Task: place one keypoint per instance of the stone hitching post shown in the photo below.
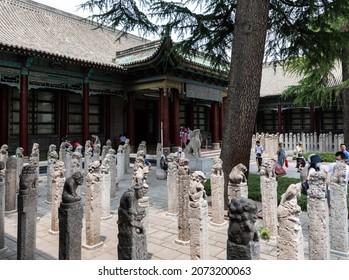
(237, 185)
(88, 155)
(111, 156)
(4, 153)
(52, 157)
(93, 207)
(243, 237)
(339, 211)
(120, 163)
(183, 202)
(27, 211)
(198, 217)
(20, 161)
(127, 151)
(290, 236)
(268, 185)
(317, 210)
(58, 181)
(70, 215)
(34, 158)
(132, 234)
(105, 188)
(172, 186)
(160, 173)
(10, 184)
(3, 248)
(217, 193)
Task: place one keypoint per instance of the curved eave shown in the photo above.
(61, 58)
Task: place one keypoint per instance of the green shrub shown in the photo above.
(326, 157)
(265, 233)
(207, 187)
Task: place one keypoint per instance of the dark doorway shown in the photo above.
(146, 117)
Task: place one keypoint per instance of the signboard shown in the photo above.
(203, 92)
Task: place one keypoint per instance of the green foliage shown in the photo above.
(326, 157)
(207, 187)
(265, 233)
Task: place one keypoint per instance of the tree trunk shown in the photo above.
(244, 84)
(345, 96)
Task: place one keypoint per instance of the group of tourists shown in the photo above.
(184, 135)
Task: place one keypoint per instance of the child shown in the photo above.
(259, 151)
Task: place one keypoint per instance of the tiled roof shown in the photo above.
(275, 80)
(30, 26)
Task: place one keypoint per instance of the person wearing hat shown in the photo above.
(315, 164)
(180, 153)
(298, 154)
(281, 154)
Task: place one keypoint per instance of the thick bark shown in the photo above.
(244, 84)
(345, 96)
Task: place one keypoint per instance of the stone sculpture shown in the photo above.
(217, 193)
(27, 213)
(105, 188)
(120, 163)
(10, 184)
(3, 248)
(127, 150)
(88, 155)
(132, 232)
(193, 148)
(237, 185)
(4, 153)
(71, 184)
(172, 185)
(290, 236)
(198, 217)
(317, 211)
(142, 147)
(105, 149)
(52, 157)
(111, 157)
(243, 237)
(20, 162)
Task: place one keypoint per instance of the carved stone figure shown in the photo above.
(27, 213)
(237, 185)
(132, 232)
(172, 185)
(105, 187)
(52, 157)
(88, 155)
(193, 148)
(71, 184)
(127, 150)
(4, 153)
(142, 147)
(197, 193)
(105, 149)
(217, 193)
(243, 237)
(20, 162)
(290, 236)
(3, 248)
(111, 156)
(10, 184)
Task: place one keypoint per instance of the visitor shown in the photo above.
(346, 153)
(281, 153)
(122, 139)
(164, 161)
(259, 151)
(315, 164)
(298, 155)
(188, 135)
(180, 153)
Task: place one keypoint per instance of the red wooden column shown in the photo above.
(191, 114)
(85, 111)
(131, 118)
(312, 117)
(175, 120)
(4, 105)
(107, 116)
(215, 125)
(23, 111)
(63, 127)
(279, 119)
(164, 118)
(221, 119)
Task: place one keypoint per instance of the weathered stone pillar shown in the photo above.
(105, 188)
(290, 236)
(105, 149)
(27, 212)
(172, 186)
(70, 215)
(268, 185)
(57, 184)
(52, 157)
(339, 211)
(217, 193)
(10, 184)
(183, 201)
(317, 210)
(198, 218)
(4, 153)
(20, 161)
(34, 158)
(88, 155)
(67, 163)
(237, 185)
(243, 237)
(111, 156)
(3, 247)
(120, 163)
(62, 151)
(132, 234)
(93, 207)
(127, 151)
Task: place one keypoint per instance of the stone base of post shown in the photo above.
(171, 214)
(107, 217)
(216, 146)
(339, 254)
(52, 232)
(10, 212)
(3, 252)
(161, 174)
(183, 243)
(47, 202)
(218, 225)
(92, 247)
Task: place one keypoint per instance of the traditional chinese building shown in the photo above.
(60, 74)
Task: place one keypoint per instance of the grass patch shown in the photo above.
(254, 191)
(326, 157)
